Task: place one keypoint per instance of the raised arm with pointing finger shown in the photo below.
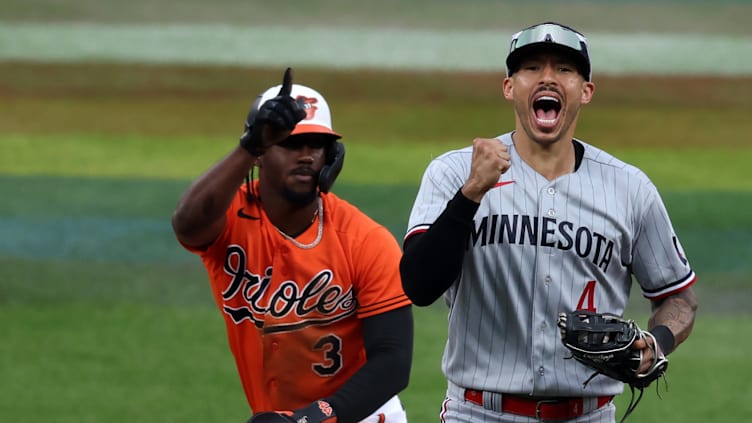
(307, 284)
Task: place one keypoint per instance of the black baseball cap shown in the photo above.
(549, 36)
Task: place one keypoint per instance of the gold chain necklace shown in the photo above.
(320, 213)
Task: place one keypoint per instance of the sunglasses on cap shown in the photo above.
(549, 34)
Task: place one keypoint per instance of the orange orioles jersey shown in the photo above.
(293, 315)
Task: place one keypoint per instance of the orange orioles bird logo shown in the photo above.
(309, 105)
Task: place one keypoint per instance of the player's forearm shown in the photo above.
(432, 260)
(205, 202)
(388, 341)
(677, 313)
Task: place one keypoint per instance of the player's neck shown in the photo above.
(291, 219)
(550, 159)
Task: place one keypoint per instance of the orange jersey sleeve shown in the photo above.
(293, 315)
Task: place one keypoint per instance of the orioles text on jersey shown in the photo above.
(316, 302)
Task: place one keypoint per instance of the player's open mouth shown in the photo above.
(546, 110)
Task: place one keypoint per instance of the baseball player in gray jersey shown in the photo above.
(519, 228)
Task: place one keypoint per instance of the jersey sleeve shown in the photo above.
(230, 222)
(659, 262)
(379, 287)
(441, 180)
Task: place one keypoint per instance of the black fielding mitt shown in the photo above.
(604, 342)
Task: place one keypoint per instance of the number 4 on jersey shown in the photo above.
(587, 299)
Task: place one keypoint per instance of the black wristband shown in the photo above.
(316, 412)
(665, 338)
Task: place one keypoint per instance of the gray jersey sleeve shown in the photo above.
(659, 263)
(443, 177)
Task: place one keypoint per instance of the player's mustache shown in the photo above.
(549, 88)
(304, 170)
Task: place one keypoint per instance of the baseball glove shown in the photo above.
(604, 342)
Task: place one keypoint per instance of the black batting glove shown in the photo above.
(273, 121)
(318, 411)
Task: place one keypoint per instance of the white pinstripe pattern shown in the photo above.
(536, 245)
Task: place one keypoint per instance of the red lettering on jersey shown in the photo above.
(588, 296)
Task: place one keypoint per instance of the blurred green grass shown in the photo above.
(682, 16)
(123, 328)
(134, 362)
(106, 318)
(127, 220)
(368, 162)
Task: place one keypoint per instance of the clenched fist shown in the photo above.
(490, 160)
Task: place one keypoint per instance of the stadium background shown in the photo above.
(109, 109)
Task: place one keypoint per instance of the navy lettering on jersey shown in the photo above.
(545, 232)
(314, 302)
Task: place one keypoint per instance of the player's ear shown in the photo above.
(588, 89)
(507, 88)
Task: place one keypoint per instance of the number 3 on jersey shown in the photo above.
(587, 299)
(331, 345)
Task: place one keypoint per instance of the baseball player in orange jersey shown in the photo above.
(308, 285)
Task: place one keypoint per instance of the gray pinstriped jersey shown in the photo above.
(541, 247)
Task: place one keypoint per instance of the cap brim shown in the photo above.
(313, 129)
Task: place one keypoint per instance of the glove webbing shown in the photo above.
(657, 361)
